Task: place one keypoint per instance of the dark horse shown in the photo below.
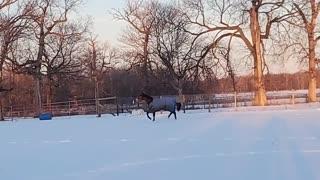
(158, 104)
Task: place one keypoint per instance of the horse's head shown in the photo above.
(144, 97)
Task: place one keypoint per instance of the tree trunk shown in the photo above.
(37, 73)
(145, 61)
(310, 27)
(181, 96)
(95, 78)
(4, 52)
(1, 110)
(260, 96)
(312, 95)
(38, 97)
(96, 96)
(49, 98)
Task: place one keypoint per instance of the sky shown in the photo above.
(108, 29)
(104, 25)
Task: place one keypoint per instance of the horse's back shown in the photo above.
(167, 104)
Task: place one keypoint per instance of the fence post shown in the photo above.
(292, 97)
(192, 103)
(117, 106)
(24, 111)
(204, 102)
(138, 104)
(209, 108)
(160, 98)
(11, 112)
(235, 101)
(184, 103)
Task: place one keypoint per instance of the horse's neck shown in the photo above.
(148, 101)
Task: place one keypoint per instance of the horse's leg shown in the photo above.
(154, 116)
(170, 114)
(148, 116)
(175, 115)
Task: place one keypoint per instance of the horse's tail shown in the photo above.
(178, 106)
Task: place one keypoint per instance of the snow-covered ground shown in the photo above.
(271, 143)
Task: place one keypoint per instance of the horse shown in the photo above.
(158, 104)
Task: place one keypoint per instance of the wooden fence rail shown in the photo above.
(116, 105)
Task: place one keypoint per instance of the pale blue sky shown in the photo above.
(105, 26)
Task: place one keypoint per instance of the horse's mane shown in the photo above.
(147, 96)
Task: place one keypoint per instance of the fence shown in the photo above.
(67, 108)
(234, 100)
(116, 105)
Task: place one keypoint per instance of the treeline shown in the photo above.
(122, 83)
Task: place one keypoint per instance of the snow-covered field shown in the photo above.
(272, 143)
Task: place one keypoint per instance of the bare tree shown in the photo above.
(138, 13)
(175, 51)
(5, 3)
(98, 60)
(307, 19)
(249, 21)
(48, 14)
(62, 56)
(226, 63)
(4, 48)
(13, 26)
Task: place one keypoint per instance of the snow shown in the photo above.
(137, 112)
(280, 142)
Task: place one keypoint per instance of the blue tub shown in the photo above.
(45, 116)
